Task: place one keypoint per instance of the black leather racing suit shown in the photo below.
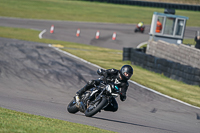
(112, 76)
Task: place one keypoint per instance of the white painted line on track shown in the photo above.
(164, 95)
(141, 44)
(41, 33)
(129, 80)
(74, 56)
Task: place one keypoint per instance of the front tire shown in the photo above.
(92, 110)
(71, 108)
(136, 30)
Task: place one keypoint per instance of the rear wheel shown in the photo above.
(71, 108)
(96, 107)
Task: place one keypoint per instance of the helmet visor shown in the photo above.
(127, 75)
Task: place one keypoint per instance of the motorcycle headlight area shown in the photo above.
(108, 88)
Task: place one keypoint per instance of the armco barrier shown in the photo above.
(153, 4)
(171, 69)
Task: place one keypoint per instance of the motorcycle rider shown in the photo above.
(140, 25)
(118, 77)
(197, 40)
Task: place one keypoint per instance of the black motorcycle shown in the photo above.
(95, 99)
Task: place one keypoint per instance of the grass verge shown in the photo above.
(189, 41)
(13, 121)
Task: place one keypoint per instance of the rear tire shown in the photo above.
(71, 108)
(92, 111)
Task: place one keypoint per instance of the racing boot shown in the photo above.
(77, 99)
(80, 92)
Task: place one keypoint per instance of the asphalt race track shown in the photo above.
(37, 79)
(66, 31)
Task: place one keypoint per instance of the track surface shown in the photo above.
(66, 31)
(37, 79)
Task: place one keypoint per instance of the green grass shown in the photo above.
(85, 11)
(189, 41)
(13, 121)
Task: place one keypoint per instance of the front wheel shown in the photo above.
(136, 30)
(71, 108)
(96, 107)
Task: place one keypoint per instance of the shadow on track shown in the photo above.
(123, 122)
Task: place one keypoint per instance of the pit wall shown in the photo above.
(177, 62)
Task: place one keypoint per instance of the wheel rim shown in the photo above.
(72, 104)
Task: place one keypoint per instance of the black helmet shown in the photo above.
(126, 72)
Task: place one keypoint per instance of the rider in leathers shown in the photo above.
(118, 77)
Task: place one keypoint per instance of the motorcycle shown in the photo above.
(139, 29)
(95, 99)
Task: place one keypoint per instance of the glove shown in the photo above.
(99, 71)
(102, 72)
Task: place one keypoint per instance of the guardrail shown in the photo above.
(153, 4)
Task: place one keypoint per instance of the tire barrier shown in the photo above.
(126, 54)
(174, 70)
(153, 4)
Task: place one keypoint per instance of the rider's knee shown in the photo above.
(115, 108)
(93, 82)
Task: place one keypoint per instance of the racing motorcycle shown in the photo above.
(95, 99)
(139, 29)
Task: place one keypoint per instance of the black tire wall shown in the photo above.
(152, 4)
